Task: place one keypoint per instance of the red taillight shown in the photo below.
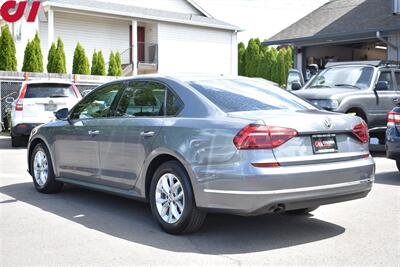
(263, 137)
(266, 165)
(393, 117)
(361, 132)
(19, 106)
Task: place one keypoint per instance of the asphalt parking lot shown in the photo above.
(81, 227)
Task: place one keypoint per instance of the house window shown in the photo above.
(396, 6)
(17, 31)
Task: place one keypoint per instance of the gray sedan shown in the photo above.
(192, 145)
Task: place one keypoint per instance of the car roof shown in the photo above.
(48, 81)
(184, 77)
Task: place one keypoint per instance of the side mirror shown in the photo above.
(296, 86)
(10, 100)
(382, 86)
(61, 114)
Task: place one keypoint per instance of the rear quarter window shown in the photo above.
(49, 90)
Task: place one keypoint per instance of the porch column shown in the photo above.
(50, 29)
(134, 46)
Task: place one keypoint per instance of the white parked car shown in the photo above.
(36, 104)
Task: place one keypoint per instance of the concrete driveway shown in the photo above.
(81, 227)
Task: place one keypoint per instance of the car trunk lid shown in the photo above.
(322, 136)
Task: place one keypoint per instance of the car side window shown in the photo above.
(174, 104)
(97, 104)
(397, 77)
(386, 76)
(142, 99)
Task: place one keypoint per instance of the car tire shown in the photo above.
(41, 169)
(18, 141)
(174, 207)
(398, 164)
(301, 211)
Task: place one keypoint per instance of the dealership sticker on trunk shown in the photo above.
(324, 143)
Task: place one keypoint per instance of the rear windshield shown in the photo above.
(49, 90)
(235, 95)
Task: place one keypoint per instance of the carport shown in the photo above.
(344, 30)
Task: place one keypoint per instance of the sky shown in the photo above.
(260, 18)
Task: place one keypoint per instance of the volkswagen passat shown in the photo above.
(192, 145)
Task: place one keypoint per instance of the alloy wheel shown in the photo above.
(170, 198)
(40, 168)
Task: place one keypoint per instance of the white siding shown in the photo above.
(181, 6)
(43, 26)
(93, 33)
(184, 48)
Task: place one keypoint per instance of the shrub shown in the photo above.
(80, 63)
(50, 58)
(60, 63)
(112, 65)
(93, 70)
(8, 59)
(37, 52)
(118, 63)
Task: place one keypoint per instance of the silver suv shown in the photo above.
(366, 89)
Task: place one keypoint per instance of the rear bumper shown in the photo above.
(277, 190)
(393, 143)
(23, 129)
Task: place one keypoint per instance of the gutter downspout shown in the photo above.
(378, 36)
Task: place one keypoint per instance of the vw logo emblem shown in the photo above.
(328, 123)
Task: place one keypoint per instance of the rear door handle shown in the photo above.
(93, 133)
(147, 134)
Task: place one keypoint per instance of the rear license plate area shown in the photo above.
(324, 143)
(50, 107)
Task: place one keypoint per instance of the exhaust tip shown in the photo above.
(278, 208)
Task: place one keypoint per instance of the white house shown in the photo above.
(152, 35)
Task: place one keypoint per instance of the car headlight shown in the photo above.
(326, 103)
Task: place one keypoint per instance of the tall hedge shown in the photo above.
(241, 61)
(252, 56)
(269, 63)
(8, 59)
(33, 58)
(80, 63)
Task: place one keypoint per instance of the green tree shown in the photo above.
(37, 52)
(80, 63)
(50, 58)
(101, 65)
(93, 70)
(118, 63)
(8, 59)
(252, 57)
(241, 59)
(274, 66)
(60, 63)
(31, 63)
(112, 65)
(281, 68)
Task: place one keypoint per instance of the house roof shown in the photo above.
(340, 20)
(140, 12)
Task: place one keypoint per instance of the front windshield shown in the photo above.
(346, 77)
